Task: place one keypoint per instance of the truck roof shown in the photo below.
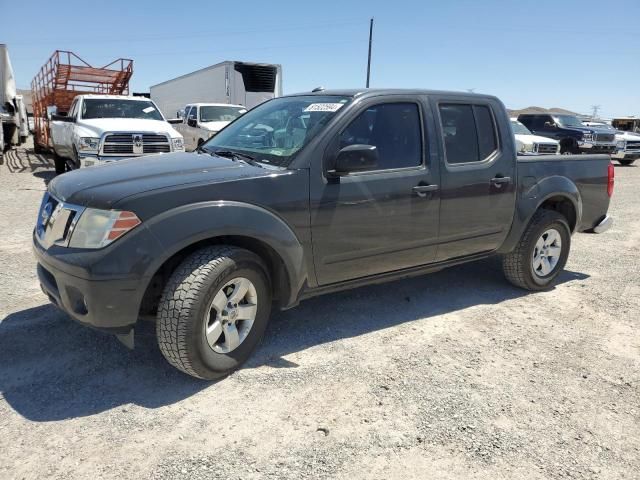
(374, 92)
(208, 104)
(112, 97)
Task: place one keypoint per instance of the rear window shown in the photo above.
(469, 132)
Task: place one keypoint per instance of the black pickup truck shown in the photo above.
(573, 135)
(304, 195)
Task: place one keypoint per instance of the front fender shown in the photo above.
(531, 195)
(181, 227)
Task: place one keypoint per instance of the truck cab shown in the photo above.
(201, 121)
(574, 137)
(105, 128)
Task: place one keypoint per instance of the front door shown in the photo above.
(384, 219)
(477, 177)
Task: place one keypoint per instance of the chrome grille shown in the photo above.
(633, 145)
(135, 144)
(603, 137)
(546, 148)
(56, 221)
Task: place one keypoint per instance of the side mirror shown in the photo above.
(192, 122)
(62, 118)
(356, 158)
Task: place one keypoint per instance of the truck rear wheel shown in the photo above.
(214, 311)
(541, 253)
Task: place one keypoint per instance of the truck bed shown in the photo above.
(585, 176)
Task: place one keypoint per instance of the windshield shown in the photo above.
(568, 121)
(116, 108)
(519, 128)
(220, 113)
(276, 131)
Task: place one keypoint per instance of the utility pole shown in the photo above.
(369, 59)
(594, 111)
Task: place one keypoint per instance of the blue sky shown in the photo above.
(551, 53)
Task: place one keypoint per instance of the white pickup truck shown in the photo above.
(627, 143)
(104, 128)
(529, 144)
(201, 121)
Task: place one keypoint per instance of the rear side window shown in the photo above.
(394, 129)
(487, 141)
(469, 132)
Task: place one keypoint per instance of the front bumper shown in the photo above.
(622, 155)
(75, 281)
(590, 147)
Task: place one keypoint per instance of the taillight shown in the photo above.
(610, 175)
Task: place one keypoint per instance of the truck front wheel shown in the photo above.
(214, 311)
(541, 253)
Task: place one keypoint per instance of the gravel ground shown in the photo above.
(452, 375)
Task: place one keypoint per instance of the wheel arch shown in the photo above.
(262, 233)
(557, 193)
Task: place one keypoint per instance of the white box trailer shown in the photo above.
(231, 82)
(13, 114)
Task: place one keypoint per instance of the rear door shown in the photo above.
(477, 177)
(384, 219)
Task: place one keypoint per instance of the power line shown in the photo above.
(594, 111)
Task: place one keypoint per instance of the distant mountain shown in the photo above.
(562, 111)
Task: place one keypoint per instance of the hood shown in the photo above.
(214, 126)
(531, 139)
(133, 125)
(104, 185)
(622, 135)
(586, 129)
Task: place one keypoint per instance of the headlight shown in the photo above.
(89, 143)
(587, 136)
(621, 144)
(526, 148)
(212, 134)
(98, 228)
(178, 144)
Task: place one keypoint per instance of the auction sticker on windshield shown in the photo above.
(148, 109)
(324, 107)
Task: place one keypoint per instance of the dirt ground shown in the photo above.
(455, 375)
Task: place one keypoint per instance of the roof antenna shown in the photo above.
(317, 89)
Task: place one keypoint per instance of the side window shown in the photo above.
(394, 129)
(487, 140)
(193, 114)
(469, 132)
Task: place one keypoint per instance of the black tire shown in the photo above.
(200, 142)
(569, 147)
(60, 163)
(74, 162)
(183, 310)
(37, 149)
(518, 266)
(626, 163)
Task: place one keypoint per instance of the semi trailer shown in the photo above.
(229, 82)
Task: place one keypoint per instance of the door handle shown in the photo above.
(422, 190)
(498, 181)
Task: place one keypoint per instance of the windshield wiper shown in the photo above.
(235, 156)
